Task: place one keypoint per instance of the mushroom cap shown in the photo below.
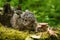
(43, 23)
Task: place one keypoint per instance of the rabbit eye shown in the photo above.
(25, 20)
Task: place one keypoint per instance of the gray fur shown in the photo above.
(24, 21)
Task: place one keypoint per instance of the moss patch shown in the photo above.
(12, 34)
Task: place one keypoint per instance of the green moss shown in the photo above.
(12, 34)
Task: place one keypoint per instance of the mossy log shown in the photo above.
(12, 34)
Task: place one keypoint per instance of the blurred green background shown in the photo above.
(44, 10)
